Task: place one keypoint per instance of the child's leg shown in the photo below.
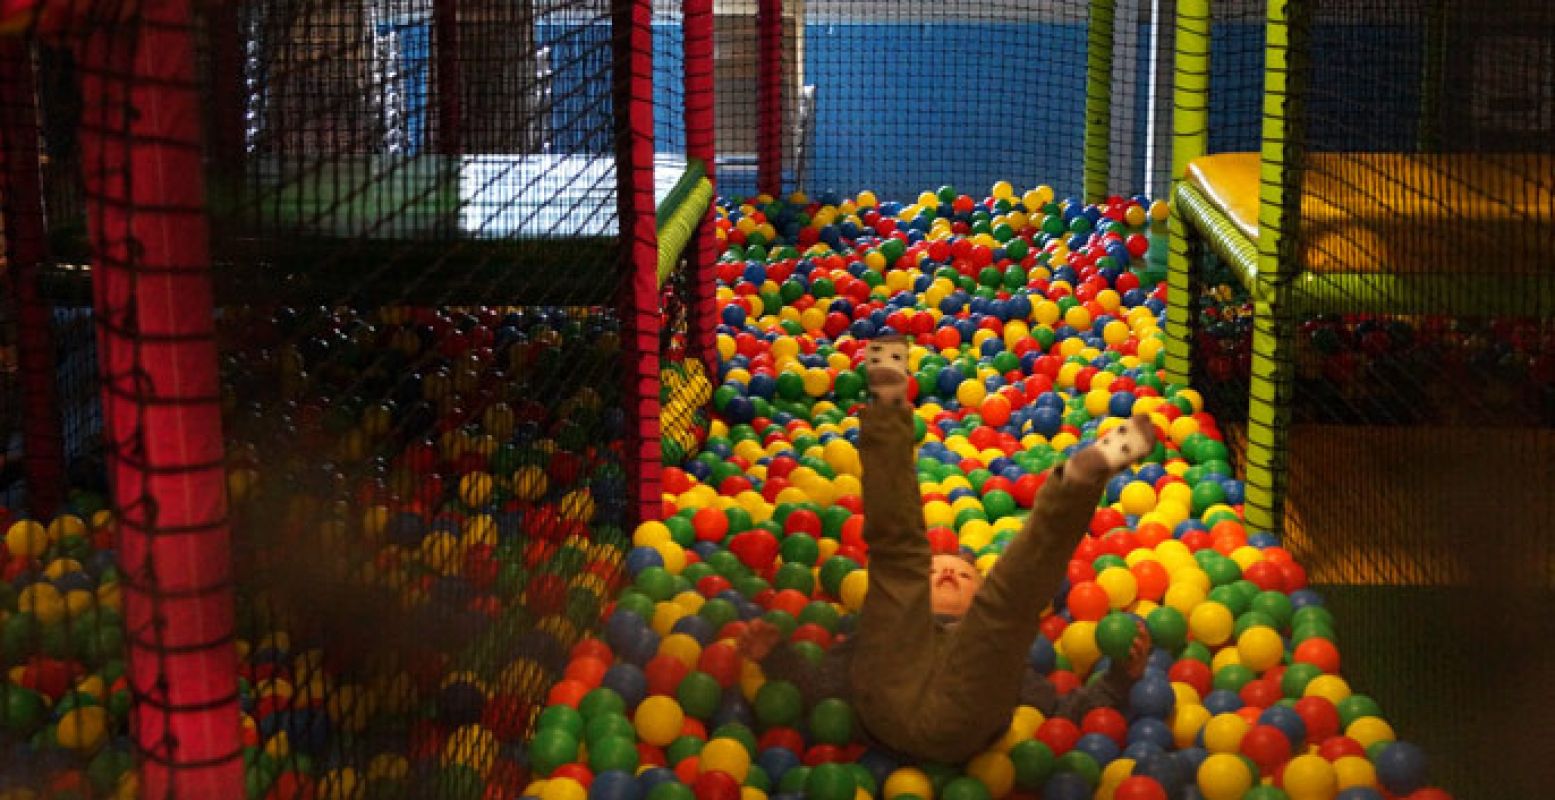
(982, 670)
(894, 637)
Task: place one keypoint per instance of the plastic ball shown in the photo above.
(1310, 777)
(658, 720)
(728, 756)
(1260, 648)
(1401, 767)
(1223, 776)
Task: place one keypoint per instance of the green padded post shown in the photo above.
(1273, 369)
(1190, 139)
(1098, 101)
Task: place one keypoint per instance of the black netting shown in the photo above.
(1403, 390)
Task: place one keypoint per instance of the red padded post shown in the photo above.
(701, 145)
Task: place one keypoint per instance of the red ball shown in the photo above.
(1267, 576)
(943, 541)
(722, 661)
(1320, 716)
(1261, 693)
(1139, 787)
(1336, 747)
(1058, 734)
(586, 670)
(664, 674)
(710, 525)
(1267, 746)
(1194, 673)
(1088, 601)
(756, 549)
(782, 736)
(1318, 652)
(715, 785)
(575, 771)
(1108, 722)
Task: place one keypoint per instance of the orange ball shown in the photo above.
(1088, 601)
(587, 670)
(1152, 580)
(996, 410)
(710, 525)
(567, 692)
(947, 337)
(1318, 652)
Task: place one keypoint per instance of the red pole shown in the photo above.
(445, 18)
(632, 24)
(141, 155)
(701, 145)
(769, 97)
(21, 217)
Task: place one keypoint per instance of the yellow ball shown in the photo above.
(680, 646)
(1260, 647)
(817, 381)
(1211, 623)
(563, 789)
(66, 525)
(1370, 730)
(1354, 771)
(658, 720)
(27, 538)
(342, 784)
(855, 585)
(727, 755)
(577, 505)
(1330, 687)
(1223, 733)
(1079, 644)
(665, 615)
(1137, 498)
(1183, 596)
(83, 729)
(44, 601)
(1186, 721)
(1002, 190)
(1310, 777)
(529, 483)
(1120, 585)
(1224, 776)
(994, 770)
(908, 780)
(971, 393)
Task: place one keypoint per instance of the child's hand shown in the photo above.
(758, 639)
(1139, 653)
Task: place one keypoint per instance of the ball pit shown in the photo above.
(1035, 327)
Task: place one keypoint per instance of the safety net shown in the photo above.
(1374, 301)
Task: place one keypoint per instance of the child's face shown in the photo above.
(952, 585)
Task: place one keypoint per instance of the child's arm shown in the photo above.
(762, 642)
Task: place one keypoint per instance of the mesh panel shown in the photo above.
(1400, 376)
(428, 353)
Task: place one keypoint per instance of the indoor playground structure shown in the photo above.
(417, 398)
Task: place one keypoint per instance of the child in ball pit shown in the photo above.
(936, 668)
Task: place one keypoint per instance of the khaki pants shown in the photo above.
(927, 691)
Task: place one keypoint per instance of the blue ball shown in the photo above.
(1301, 598)
(697, 627)
(614, 784)
(1152, 696)
(1098, 746)
(1166, 769)
(627, 680)
(622, 627)
(1047, 421)
(1042, 657)
(1066, 786)
(1222, 701)
(1289, 722)
(653, 776)
(1150, 731)
(946, 382)
(777, 761)
(733, 315)
(641, 558)
(1401, 767)
(1121, 404)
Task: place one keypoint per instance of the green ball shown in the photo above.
(1296, 678)
(719, 612)
(778, 703)
(1115, 635)
(1252, 619)
(833, 570)
(1081, 764)
(831, 722)
(1168, 628)
(699, 694)
(605, 725)
(965, 788)
(107, 766)
(784, 621)
(683, 748)
(1206, 494)
(999, 504)
(1265, 793)
(1033, 762)
(800, 548)
(1356, 706)
(551, 748)
(1276, 605)
(671, 790)
(1222, 571)
(601, 700)
(793, 781)
(1232, 677)
(614, 753)
(822, 613)
(830, 782)
(797, 577)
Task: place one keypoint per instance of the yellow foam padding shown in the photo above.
(1401, 213)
